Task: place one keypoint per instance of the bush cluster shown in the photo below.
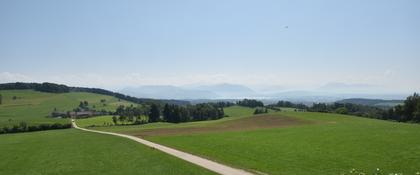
(23, 127)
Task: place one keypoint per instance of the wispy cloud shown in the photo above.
(6, 77)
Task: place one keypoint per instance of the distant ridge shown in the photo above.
(60, 88)
(215, 91)
(372, 102)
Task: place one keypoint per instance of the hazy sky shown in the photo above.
(299, 44)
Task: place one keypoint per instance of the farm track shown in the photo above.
(202, 162)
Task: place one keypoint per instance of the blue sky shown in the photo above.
(288, 44)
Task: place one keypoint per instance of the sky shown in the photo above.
(299, 44)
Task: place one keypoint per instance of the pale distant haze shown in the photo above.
(357, 46)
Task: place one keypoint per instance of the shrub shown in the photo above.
(23, 127)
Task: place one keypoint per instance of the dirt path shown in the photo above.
(205, 163)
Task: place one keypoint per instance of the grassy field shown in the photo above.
(33, 107)
(95, 121)
(294, 143)
(285, 142)
(334, 144)
(72, 151)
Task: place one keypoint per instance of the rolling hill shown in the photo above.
(35, 107)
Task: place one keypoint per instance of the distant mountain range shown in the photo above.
(168, 92)
(372, 102)
(217, 91)
(329, 93)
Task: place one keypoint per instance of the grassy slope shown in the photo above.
(334, 145)
(97, 121)
(77, 152)
(33, 107)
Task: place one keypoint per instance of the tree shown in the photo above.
(250, 103)
(23, 126)
(341, 110)
(260, 110)
(122, 118)
(410, 106)
(154, 114)
(166, 112)
(115, 120)
(416, 114)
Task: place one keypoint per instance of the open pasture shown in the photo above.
(322, 144)
(34, 107)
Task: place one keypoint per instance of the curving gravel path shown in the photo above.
(205, 163)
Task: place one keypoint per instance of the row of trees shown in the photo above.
(288, 104)
(340, 108)
(24, 127)
(169, 113)
(223, 104)
(409, 111)
(42, 87)
(250, 103)
(130, 114)
(349, 108)
(198, 112)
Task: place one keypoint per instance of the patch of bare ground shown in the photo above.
(249, 123)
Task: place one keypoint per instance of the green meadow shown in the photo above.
(316, 143)
(71, 151)
(285, 142)
(34, 107)
(333, 144)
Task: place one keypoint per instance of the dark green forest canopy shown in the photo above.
(250, 103)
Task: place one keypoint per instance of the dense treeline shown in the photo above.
(130, 114)
(250, 103)
(222, 104)
(57, 88)
(23, 127)
(169, 113)
(408, 112)
(348, 108)
(288, 104)
(340, 108)
(43, 87)
(198, 112)
(17, 86)
(53, 88)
